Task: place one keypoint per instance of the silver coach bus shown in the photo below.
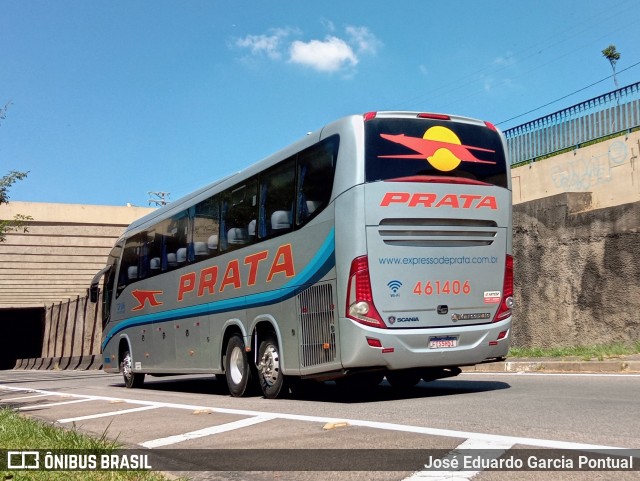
(379, 245)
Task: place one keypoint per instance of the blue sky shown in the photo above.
(108, 100)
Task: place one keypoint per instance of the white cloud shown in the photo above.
(330, 55)
(503, 67)
(488, 83)
(267, 44)
(328, 24)
(365, 41)
(507, 60)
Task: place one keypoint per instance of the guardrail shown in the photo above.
(612, 113)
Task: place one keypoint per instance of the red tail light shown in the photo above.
(426, 115)
(490, 125)
(506, 302)
(369, 116)
(360, 305)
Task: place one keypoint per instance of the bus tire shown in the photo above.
(236, 366)
(131, 379)
(272, 381)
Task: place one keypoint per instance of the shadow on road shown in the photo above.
(329, 391)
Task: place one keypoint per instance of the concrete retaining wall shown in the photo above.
(609, 170)
(66, 244)
(72, 335)
(577, 275)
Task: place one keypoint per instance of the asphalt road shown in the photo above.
(499, 412)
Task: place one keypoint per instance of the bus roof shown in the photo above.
(311, 138)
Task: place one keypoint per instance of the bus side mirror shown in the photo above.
(94, 293)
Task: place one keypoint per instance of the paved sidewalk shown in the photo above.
(622, 364)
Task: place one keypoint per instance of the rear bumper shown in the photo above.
(409, 348)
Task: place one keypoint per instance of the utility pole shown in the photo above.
(161, 198)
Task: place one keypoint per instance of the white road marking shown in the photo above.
(497, 438)
(49, 405)
(497, 449)
(23, 397)
(104, 415)
(210, 431)
(483, 437)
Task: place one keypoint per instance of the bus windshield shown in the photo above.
(433, 150)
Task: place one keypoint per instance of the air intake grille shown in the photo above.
(317, 323)
(437, 232)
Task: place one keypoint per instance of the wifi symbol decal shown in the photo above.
(394, 286)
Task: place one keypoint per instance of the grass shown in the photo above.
(21, 433)
(587, 353)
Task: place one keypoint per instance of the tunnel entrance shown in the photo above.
(21, 335)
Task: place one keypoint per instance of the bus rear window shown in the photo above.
(427, 149)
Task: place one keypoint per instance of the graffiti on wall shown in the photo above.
(583, 173)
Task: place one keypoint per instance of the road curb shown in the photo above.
(607, 366)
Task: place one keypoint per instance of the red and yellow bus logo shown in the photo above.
(440, 146)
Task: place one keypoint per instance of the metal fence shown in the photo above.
(611, 113)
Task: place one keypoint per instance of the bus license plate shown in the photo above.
(443, 342)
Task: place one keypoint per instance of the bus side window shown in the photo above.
(110, 282)
(154, 254)
(316, 167)
(277, 189)
(167, 248)
(170, 247)
(239, 208)
(206, 228)
(129, 266)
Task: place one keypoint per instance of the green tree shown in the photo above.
(612, 55)
(19, 221)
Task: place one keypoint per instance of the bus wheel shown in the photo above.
(272, 380)
(236, 367)
(404, 379)
(131, 379)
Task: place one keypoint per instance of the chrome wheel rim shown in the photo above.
(127, 371)
(236, 366)
(270, 365)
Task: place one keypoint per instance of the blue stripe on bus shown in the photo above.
(316, 269)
